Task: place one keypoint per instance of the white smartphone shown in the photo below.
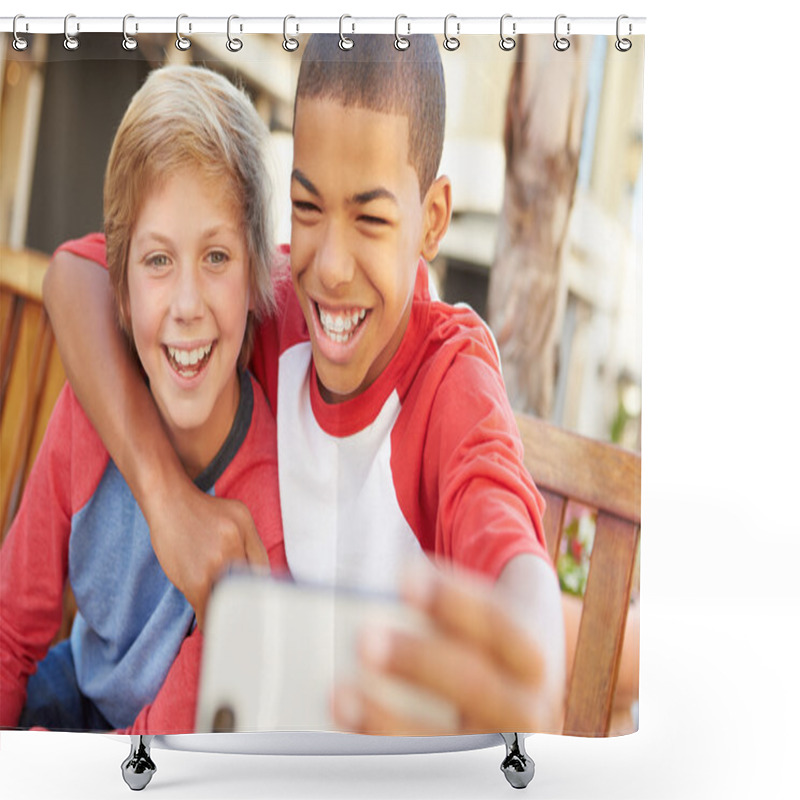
(274, 650)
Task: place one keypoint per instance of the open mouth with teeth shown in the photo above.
(188, 363)
(341, 326)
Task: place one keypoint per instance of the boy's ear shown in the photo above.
(438, 206)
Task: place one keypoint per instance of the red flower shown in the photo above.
(576, 549)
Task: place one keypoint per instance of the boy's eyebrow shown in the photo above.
(304, 181)
(373, 194)
(217, 230)
(147, 234)
(357, 199)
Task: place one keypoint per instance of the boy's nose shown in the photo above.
(334, 264)
(187, 300)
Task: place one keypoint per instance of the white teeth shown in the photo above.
(188, 358)
(339, 327)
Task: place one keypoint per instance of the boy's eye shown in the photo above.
(371, 220)
(157, 261)
(217, 258)
(304, 206)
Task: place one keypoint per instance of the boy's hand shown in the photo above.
(500, 675)
(195, 536)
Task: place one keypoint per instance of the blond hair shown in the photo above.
(189, 117)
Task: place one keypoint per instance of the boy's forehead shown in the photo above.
(332, 134)
(320, 112)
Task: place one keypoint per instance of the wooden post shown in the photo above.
(544, 122)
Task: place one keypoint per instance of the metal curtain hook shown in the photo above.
(344, 42)
(451, 42)
(234, 45)
(506, 42)
(70, 42)
(19, 43)
(290, 44)
(400, 42)
(561, 43)
(128, 42)
(181, 42)
(623, 45)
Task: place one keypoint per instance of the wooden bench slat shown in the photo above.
(605, 610)
(553, 521)
(594, 473)
(12, 306)
(29, 372)
(22, 272)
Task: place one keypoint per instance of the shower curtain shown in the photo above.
(542, 148)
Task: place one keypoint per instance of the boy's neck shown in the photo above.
(197, 448)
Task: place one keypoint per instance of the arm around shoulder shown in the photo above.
(105, 376)
(193, 535)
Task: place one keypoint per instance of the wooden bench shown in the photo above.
(565, 467)
(31, 373)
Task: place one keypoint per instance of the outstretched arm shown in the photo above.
(193, 535)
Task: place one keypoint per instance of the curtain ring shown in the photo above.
(400, 42)
(451, 42)
(19, 43)
(623, 45)
(70, 41)
(506, 42)
(561, 43)
(290, 44)
(233, 45)
(344, 42)
(128, 42)
(181, 42)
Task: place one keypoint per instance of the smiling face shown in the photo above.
(358, 230)
(188, 298)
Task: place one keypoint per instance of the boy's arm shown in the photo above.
(193, 535)
(497, 652)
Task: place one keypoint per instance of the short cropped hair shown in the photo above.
(375, 76)
(190, 117)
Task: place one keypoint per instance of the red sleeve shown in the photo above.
(479, 505)
(33, 565)
(489, 509)
(92, 246)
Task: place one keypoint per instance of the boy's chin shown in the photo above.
(337, 391)
(182, 420)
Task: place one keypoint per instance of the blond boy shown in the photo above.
(186, 193)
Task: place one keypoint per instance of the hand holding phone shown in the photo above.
(274, 650)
